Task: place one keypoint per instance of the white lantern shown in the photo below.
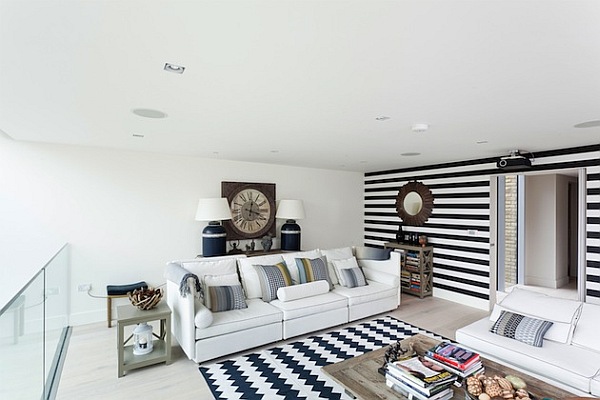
(142, 339)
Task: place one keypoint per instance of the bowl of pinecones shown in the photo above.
(482, 387)
(145, 298)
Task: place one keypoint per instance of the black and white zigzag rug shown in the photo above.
(293, 371)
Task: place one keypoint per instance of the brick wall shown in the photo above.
(510, 222)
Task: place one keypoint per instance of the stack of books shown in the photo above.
(455, 359)
(417, 378)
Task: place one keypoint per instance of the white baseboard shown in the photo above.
(88, 317)
(548, 283)
(470, 301)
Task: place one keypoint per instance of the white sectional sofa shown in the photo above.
(570, 353)
(298, 309)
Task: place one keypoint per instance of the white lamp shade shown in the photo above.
(215, 209)
(290, 209)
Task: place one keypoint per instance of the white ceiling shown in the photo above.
(301, 82)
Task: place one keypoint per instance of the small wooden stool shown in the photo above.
(117, 291)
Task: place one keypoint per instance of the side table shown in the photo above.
(130, 315)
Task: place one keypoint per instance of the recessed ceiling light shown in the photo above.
(410, 154)
(176, 69)
(382, 118)
(481, 142)
(588, 124)
(419, 128)
(149, 113)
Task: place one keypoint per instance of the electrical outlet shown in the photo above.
(84, 287)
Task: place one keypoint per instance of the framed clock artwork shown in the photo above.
(252, 209)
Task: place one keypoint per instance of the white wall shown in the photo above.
(126, 214)
(546, 230)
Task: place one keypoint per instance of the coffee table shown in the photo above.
(361, 380)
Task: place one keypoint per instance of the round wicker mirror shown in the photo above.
(414, 203)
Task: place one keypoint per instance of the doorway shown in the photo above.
(537, 232)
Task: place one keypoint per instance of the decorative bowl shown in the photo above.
(145, 299)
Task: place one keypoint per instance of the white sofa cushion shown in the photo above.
(570, 365)
(203, 317)
(302, 290)
(290, 261)
(206, 266)
(311, 305)
(588, 325)
(340, 253)
(377, 265)
(562, 312)
(250, 280)
(258, 313)
(595, 386)
(365, 294)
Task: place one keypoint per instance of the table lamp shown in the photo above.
(214, 236)
(290, 210)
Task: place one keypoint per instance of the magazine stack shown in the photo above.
(417, 378)
(455, 359)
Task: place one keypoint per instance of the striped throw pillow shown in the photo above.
(352, 277)
(225, 298)
(311, 270)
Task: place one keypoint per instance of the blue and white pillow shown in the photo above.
(352, 277)
(271, 278)
(519, 327)
(225, 298)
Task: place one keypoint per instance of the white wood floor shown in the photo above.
(90, 370)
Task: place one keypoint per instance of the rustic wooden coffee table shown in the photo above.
(360, 379)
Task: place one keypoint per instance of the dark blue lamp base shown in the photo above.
(290, 235)
(214, 240)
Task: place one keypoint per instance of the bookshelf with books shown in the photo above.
(416, 268)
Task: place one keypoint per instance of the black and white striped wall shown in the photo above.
(459, 227)
(593, 235)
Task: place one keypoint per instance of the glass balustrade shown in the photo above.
(34, 330)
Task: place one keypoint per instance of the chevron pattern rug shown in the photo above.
(293, 371)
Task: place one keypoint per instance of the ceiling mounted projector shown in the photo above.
(514, 161)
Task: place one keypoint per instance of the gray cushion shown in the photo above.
(352, 277)
(519, 327)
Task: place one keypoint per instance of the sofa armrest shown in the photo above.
(389, 266)
(382, 277)
(182, 318)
